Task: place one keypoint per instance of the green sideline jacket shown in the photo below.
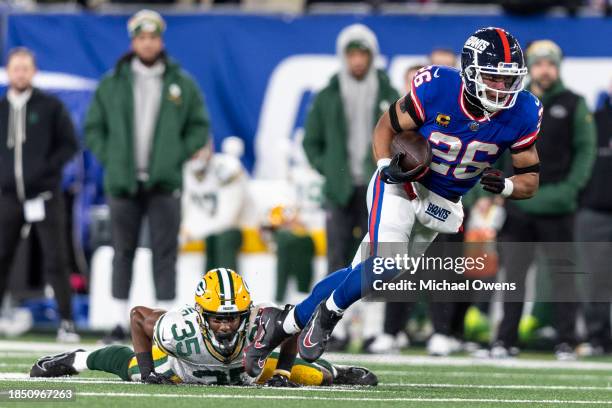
(181, 130)
(325, 139)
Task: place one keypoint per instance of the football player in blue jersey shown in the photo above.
(470, 117)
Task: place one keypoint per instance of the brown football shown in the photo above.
(415, 147)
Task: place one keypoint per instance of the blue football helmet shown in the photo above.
(493, 56)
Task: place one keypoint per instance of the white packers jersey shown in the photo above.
(191, 357)
(215, 202)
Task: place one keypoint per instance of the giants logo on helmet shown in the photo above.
(476, 44)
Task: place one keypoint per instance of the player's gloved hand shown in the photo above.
(493, 180)
(155, 378)
(279, 380)
(393, 173)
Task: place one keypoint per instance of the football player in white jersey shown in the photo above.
(215, 186)
(201, 343)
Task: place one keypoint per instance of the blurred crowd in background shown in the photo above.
(518, 7)
(160, 165)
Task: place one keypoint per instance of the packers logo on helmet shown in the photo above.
(222, 295)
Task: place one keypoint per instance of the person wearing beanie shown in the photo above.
(146, 119)
(566, 146)
(337, 139)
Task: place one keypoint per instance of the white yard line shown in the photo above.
(465, 374)
(81, 380)
(332, 398)
(465, 362)
(77, 380)
(39, 346)
(504, 387)
(30, 348)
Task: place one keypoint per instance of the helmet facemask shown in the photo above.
(222, 294)
(505, 98)
(225, 343)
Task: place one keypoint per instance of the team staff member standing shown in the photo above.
(338, 138)
(338, 143)
(36, 140)
(566, 145)
(146, 119)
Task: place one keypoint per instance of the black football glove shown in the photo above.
(393, 173)
(155, 378)
(493, 180)
(278, 380)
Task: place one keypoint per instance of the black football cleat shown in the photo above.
(347, 375)
(269, 335)
(280, 381)
(58, 365)
(316, 334)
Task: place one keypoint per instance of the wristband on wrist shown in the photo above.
(383, 162)
(145, 363)
(508, 188)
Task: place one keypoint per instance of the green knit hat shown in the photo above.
(544, 49)
(147, 21)
(357, 45)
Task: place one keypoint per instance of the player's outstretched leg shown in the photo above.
(55, 366)
(355, 285)
(269, 335)
(111, 359)
(291, 321)
(317, 332)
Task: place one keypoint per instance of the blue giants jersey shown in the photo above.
(463, 145)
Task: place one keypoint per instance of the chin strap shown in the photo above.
(475, 103)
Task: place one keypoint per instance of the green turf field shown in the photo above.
(406, 381)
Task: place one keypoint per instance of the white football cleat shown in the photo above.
(383, 344)
(442, 346)
(67, 333)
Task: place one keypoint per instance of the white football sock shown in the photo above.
(80, 360)
(290, 326)
(119, 312)
(331, 305)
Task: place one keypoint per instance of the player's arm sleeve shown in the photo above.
(529, 135)
(162, 335)
(314, 136)
(407, 105)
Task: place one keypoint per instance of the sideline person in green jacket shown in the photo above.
(566, 146)
(146, 119)
(338, 138)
